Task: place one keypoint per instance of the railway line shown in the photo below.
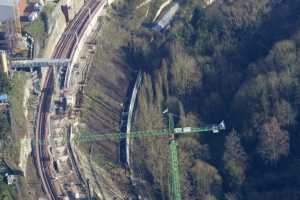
(64, 49)
(73, 160)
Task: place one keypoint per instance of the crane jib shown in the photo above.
(86, 137)
(171, 131)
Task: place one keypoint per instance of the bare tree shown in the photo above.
(235, 160)
(282, 54)
(273, 142)
(206, 180)
(234, 150)
(185, 72)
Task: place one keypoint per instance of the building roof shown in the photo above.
(166, 19)
(7, 9)
(8, 2)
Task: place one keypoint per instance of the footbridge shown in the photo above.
(38, 63)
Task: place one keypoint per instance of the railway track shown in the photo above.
(64, 49)
(73, 160)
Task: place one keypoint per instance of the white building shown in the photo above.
(7, 8)
(166, 19)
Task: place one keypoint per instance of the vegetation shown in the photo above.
(273, 142)
(4, 131)
(16, 98)
(235, 161)
(4, 117)
(238, 61)
(49, 8)
(106, 90)
(39, 28)
(6, 191)
(4, 83)
(36, 29)
(11, 127)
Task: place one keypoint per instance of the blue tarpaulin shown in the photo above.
(3, 98)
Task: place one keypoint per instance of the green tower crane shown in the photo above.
(170, 132)
(176, 193)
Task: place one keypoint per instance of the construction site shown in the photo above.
(147, 99)
(58, 84)
(17, 54)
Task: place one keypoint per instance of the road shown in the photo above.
(64, 49)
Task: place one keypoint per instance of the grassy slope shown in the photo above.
(107, 84)
(17, 115)
(109, 77)
(6, 192)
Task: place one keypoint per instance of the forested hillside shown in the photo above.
(238, 61)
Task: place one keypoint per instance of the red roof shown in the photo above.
(21, 6)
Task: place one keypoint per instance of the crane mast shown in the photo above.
(176, 192)
(175, 183)
(175, 171)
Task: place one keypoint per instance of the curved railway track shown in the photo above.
(64, 49)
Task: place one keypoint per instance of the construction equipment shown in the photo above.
(171, 132)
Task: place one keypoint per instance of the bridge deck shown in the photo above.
(38, 62)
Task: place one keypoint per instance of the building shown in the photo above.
(7, 8)
(166, 19)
